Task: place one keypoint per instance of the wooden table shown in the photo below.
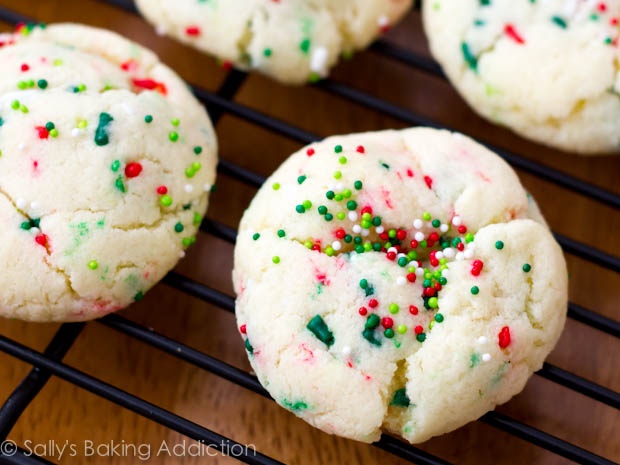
(67, 414)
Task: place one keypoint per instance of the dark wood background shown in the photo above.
(63, 412)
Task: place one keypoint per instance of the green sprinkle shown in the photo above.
(372, 321)
(322, 209)
(179, 227)
(338, 148)
(301, 179)
(173, 136)
(499, 245)
(197, 219)
(469, 237)
(389, 333)
(369, 335)
(426, 216)
(342, 160)
(421, 337)
(175, 122)
(255, 236)
(54, 133)
(119, 184)
(319, 328)
(559, 21)
(307, 204)
(330, 195)
(187, 241)
(275, 259)
(281, 233)
(436, 223)
(249, 347)
(337, 175)
(304, 46)
(527, 267)
(139, 296)
(475, 290)
(93, 265)
(401, 329)
(300, 209)
(294, 406)
(267, 52)
(438, 317)
(148, 119)
(474, 360)
(198, 150)
(363, 283)
(165, 200)
(393, 308)
(329, 217)
(432, 302)
(351, 205)
(358, 185)
(101, 133)
(275, 186)
(469, 57)
(400, 398)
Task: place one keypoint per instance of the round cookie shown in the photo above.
(105, 168)
(293, 41)
(548, 70)
(401, 281)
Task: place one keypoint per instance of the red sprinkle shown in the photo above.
(387, 322)
(367, 209)
(511, 32)
(391, 255)
(42, 240)
(418, 329)
(43, 132)
(462, 229)
(243, 329)
(129, 65)
(409, 173)
(340, 233)
(162, 190)
(150, 84)
(310, 152)
(476, 267)
(362, 311)
(411, 277)
(373, 303)
(193, 31)
(429, 181)
(460, 246)
(413, 309)
(25, 67)
(133, 170)
(227, 65)
(414, 244)
(401, 234)
(360, 149)
(504, 337)
(601, 7)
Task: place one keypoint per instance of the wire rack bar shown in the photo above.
(545, 440)
(32, 384)
(411, 59)
(131, 402)
(590, 318)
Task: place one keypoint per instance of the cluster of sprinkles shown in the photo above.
(599, 13)
(423, 251)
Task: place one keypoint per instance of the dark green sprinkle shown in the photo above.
(249, 347)
(198, 150)
(351, 205)
(499, 245)
(348, 238)
(389, 333)
(179, 227)
(560, 21)
(281, 233)
(369, 335)
(301, 179)
(372, 321)
(139, 296)
(357, 185)
(319, 328)
(294, 406)
(148, 119)
(329, 217)
(400, 398)
(322, 210)
(119, 184)
(101, 134)
(330, 195)
(300, 209)
(421, 337)
(469, 57)
(475, 290)
(42, 83)
(255, 236)
(338, 148)
(436, 223)
(527, 267)
(376, 221)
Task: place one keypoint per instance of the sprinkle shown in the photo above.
(503, 338)
(192, 31)
(559, 21)
(421, 337)
(148, 119)
(319, 328)
(93, 265)
(400, 398)
(393, 308)
(511, 32)
(301, 179)
(173, 136)
(101, 133)
(310, 152)
(275, 259)
(165, 200)
(133, 170)
(139, 296)
(475, 290)
(469, 57)
(486, 357)
(150, 84)
(304, 46)
(527, 267)
(179, 227)
(499, 245)
(275, 186)
(255, 236)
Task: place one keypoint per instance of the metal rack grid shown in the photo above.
(49, 363)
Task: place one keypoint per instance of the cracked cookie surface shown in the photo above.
(105, 167)
(398, 281)
(549, 70)
(294, 41)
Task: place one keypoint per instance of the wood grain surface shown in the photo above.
(66, 414)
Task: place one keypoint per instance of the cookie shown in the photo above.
(105, 168)
(293, 41)
(547, 70)
(398, 281)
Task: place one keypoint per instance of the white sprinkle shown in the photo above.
(318, 60)
(419, 272)
(21, 146)
(75, 132)
(468, 254)
(400, 255)
(365, 232)
(456, 221)
(482, 340)
(34, 205)
(189, 188)
(161, 31)
(443, 228)
(401, 280)
(417, 223)
(383, 21)
(336, 245)
(419, 236)
(486, 357)
(357, 228)
(353, 216)
(21, 203)
(379, 229)
(339, 186)
(346, 351)
(392, 249)
(570, 7)
(439, 255)
(207, 187)
(448, 252)
(459, 256)
(182, 254)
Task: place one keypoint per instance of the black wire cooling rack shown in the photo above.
(49, 363)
